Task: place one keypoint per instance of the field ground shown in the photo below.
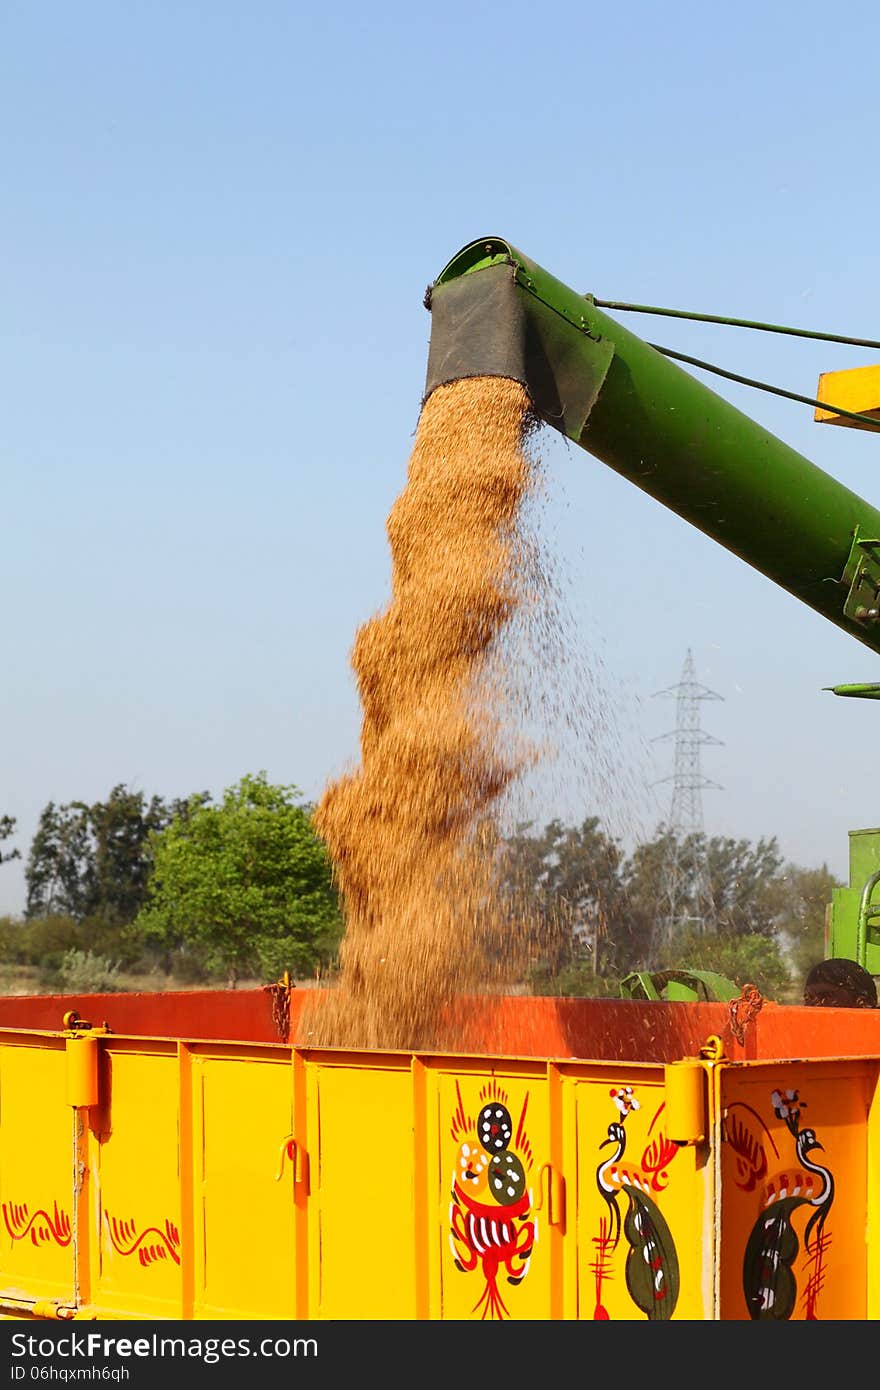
(25, 979)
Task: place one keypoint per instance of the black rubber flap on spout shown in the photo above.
(485, 324)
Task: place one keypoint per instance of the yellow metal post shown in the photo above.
(83, 1093)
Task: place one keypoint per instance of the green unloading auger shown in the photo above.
(494, 312)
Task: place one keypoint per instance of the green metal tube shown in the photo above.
(495, 312)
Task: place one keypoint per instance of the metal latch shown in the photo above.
(555, 1189)
(291, 1148)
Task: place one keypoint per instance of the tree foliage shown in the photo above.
(245, 887)
(596, 914)
(746, 885)
(807, 894)
(564, 883)
(247, 883)
(7, 828)
(84, 972)
(743, 957)
(93, 861)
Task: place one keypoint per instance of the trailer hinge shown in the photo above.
(72, 1023)
(82, 1060)
(53, 1308)
(686, 1104)
(862, 573)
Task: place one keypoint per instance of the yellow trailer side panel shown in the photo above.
(362, 1161)
(643, 1203)
(244, 1209)
(137, 1272)
(233, 1180)
(37, 1244)
(794, 1173)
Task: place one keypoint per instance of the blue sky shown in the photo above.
(218, 224)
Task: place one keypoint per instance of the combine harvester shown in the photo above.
(175, 1156)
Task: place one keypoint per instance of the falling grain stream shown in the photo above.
(412, 831)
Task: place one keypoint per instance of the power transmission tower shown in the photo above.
(685, 885)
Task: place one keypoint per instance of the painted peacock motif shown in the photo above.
(651, 1270)
(769, 1283)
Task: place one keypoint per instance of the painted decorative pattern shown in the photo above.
(491, 1228)
(651, 1267)
(39, 1225)
(805, 1185)
(151, 1244)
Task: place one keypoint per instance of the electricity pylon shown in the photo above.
(685, 885)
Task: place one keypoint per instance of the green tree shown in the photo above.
(93, 861)
(248, 883)
(45, 939)
(597, 914)
(807, 894)
(641, 880)
(743, 957)
(7, 828)
(563, 884)
(56, 869)
(121, 858)
(747, 885)
(745, 880)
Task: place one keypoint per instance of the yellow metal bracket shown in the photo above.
(862, 573)
(856, 389)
